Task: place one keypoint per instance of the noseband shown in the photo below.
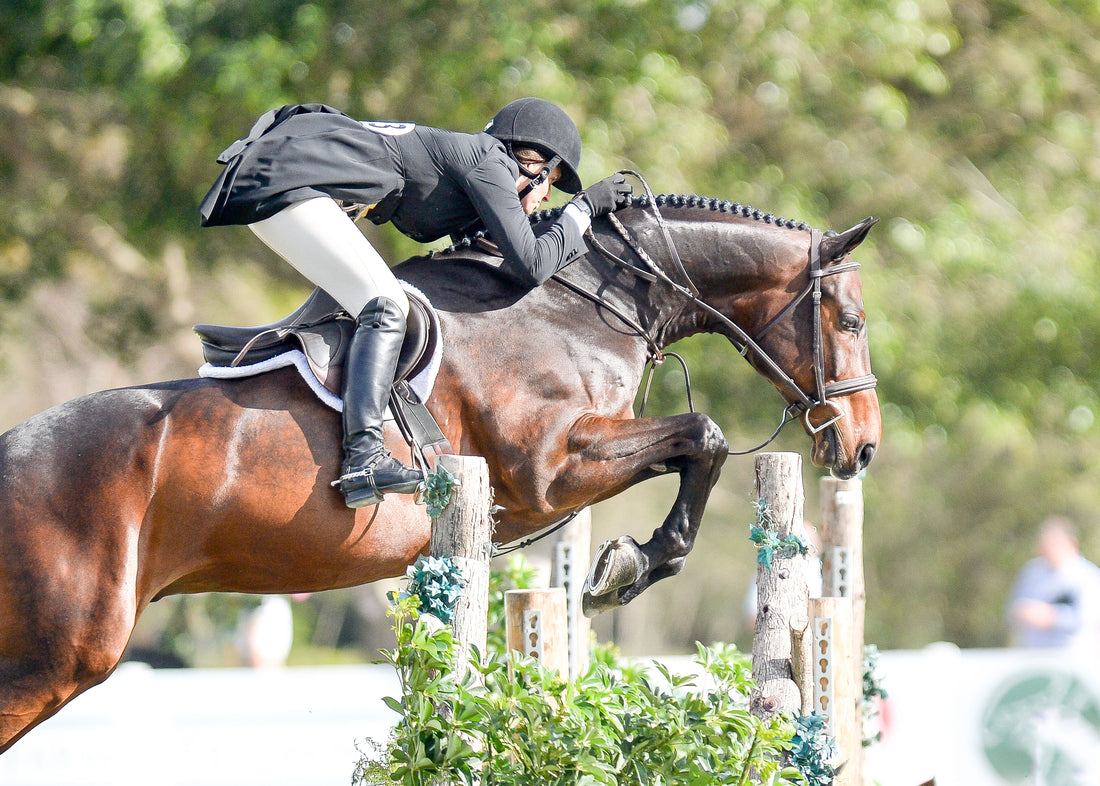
(803, 403)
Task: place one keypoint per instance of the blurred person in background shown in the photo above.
(265, 633)
(1055, 601)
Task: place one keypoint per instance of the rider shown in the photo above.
(304, 170)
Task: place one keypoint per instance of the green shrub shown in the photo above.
(510, 721)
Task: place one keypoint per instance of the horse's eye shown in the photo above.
(852, 322)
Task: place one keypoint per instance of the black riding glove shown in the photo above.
(609, 194)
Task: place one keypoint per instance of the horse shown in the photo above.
(113, 500)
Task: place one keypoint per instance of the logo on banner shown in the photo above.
(1043, 728)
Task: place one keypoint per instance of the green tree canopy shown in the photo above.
(971, 128)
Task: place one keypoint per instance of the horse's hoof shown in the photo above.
(618, 563)
(591, 605)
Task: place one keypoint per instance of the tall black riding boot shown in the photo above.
(369, 470)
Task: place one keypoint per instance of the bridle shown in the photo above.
(804, 403)
(844, 387)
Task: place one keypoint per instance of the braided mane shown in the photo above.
(676, 201)
(699, 203)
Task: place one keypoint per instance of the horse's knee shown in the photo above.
(714, 440)
(708, 438)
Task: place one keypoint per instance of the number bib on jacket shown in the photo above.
(388, 129)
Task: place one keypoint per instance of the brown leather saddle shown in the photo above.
(322, 330)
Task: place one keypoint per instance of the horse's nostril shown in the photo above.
(866, 453)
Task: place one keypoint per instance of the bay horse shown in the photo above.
(113, 500)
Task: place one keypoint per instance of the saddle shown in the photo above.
(320, 329)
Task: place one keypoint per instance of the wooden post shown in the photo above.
(535, 625)
(836, 693)
(464, 532)
(781, 616)
(572, 551)
(842, 576)
(842, 547)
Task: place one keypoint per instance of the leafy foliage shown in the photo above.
(437, 491)
(970, 128)
(510, 721)
(767, 541)
(437, 584)
(813, 751)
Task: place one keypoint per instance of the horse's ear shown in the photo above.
(836, 247)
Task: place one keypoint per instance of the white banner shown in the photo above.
(988, 718)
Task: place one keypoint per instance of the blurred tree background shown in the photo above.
(970, 127)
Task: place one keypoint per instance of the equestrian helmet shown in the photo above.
(544, 126)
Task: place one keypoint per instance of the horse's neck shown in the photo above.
(615, 284)
(736, 266)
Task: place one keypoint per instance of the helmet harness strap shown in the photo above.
(537, 180)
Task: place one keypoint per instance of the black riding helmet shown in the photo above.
(536, 123)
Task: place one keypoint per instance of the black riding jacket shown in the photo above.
(429, 182)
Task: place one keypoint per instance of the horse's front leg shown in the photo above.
(616, 454)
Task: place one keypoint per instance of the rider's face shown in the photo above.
(534, 198)
(529, 170)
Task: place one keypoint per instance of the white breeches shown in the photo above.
(319, 240)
